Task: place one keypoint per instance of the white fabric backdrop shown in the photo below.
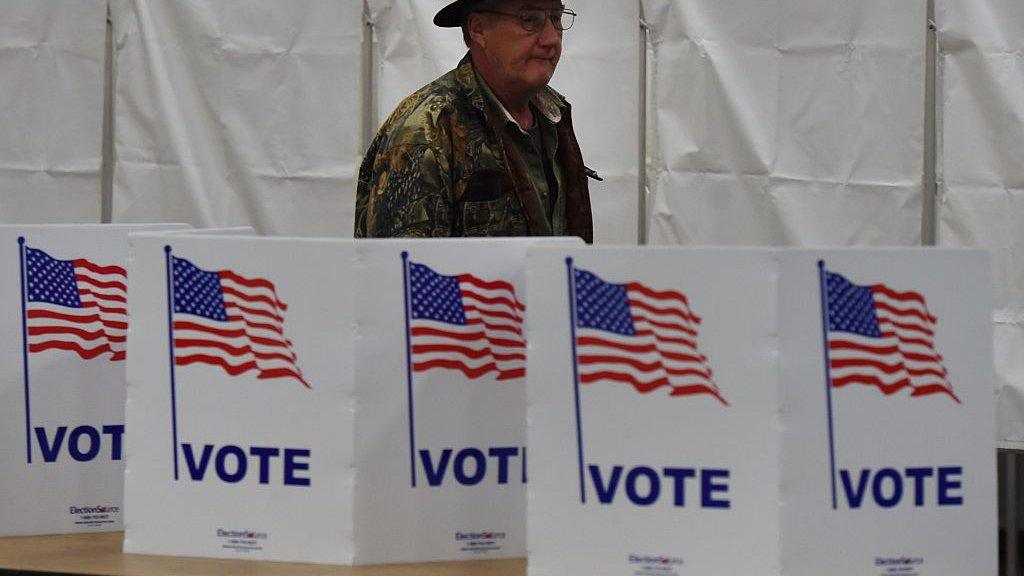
(51, 110)
(791, 122)
(238, 112)
(981, 173)
(598, 73)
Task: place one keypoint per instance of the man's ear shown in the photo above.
(476, 23)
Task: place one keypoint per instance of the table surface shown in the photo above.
(101, 554)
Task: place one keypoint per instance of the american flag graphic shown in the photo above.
(465, 324)
(632, 334)
(884, 338)
(228, 320)
(75, 305)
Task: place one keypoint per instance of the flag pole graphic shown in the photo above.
(408, 366)
(576, 378)
(170, 347)
(24, 350)
(828, 377)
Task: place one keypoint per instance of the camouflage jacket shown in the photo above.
(440, 167)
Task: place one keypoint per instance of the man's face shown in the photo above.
(525, 60)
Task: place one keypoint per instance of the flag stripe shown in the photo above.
(648, 386)
(247, 310)
(468, 337)
(106, 310)
(41, 313)
(592, 341)
(665, 339)
(668, 326)
(103, 296)
(232, 369)
(658, 312)
(905, 326)
(243, 335)
(935, 388)
(470, 372)
(887, 368)
(658, 294)
(100, 284)
(493, 314)
(890, 388)
(473, 353)
(184, 343)
(848, 345)
(252, 298)
(511, 329)
(907, 340)
(903, 312)
(493, 301)
(657, 365)
(231, 333)
(271, 373)
(494, 285)
(101, 270)
(904, 296)
(83, 334)
(85, 353)
(255, 283)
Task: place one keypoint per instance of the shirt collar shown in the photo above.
(545, 102)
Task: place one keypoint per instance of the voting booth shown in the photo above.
(62, 377)
(239, 378)
(760, 412)
(327, 401)
(441, 454)
(891, 469)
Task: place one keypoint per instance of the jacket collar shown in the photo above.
(549, 102)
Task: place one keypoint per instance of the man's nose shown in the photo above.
(549, 35)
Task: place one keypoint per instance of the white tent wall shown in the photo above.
(980, 172)
(408, 50)
(793, 122)
(238, 112)
(51, 110)
(599, 74)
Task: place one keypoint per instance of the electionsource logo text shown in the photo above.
(244, 541)
(663, 560)
(655, 565)
(901, 561)
(249, 534)
(479, 542)
(94, 510)
(94, 515)
(898, 565)
(479, 535)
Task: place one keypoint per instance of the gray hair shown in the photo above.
(478, 7)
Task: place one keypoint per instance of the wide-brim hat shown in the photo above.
(454, 14)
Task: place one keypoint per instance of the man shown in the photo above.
(487, 149)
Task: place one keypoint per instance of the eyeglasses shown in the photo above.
(534, 19)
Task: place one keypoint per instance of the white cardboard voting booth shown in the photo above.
(691, 413)
(887, 472)
(62, 377)
(242, 445)
(441, 458)
(327, 401)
